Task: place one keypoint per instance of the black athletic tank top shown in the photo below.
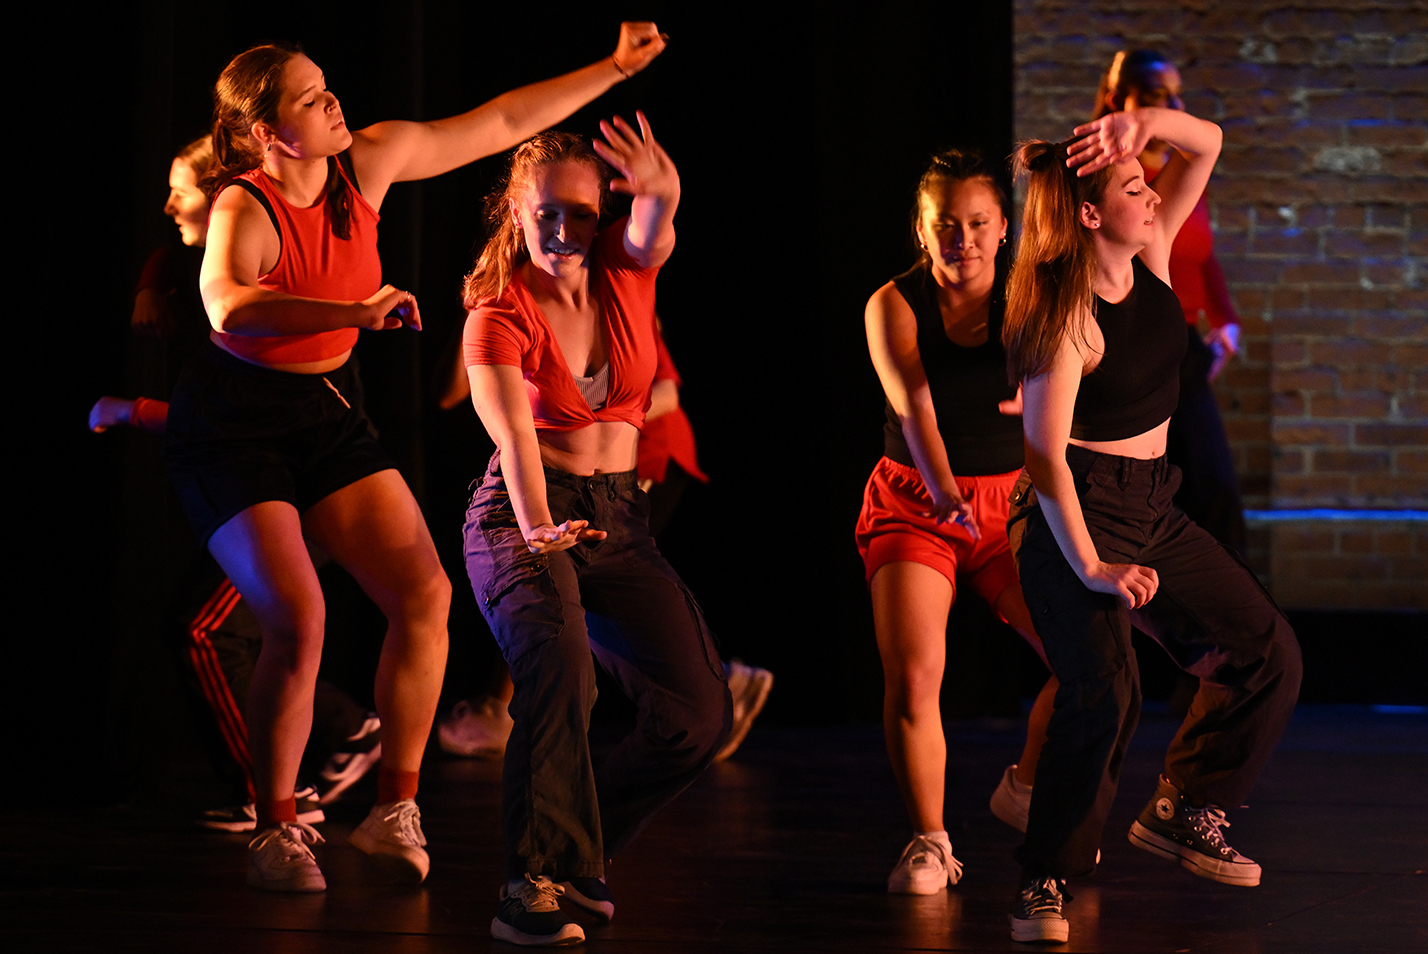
(966, 384)
(1137, 384)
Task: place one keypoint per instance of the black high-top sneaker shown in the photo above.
(1170, 826)
(1036, 913)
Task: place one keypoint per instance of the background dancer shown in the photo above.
(267, 437)
(561, 352)
(935, 507)
(1096, 335)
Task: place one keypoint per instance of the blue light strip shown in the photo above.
(1279, 516)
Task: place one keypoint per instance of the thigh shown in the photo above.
(263, 552)
(910, 606)
(374, 529)
(647, 629)
(1210, 612)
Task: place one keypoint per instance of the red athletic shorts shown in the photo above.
(892, 527)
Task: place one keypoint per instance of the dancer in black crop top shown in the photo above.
(1094, 333)
(934, 511)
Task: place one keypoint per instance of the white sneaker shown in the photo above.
(391, 836)
(749, 688)
(279, 859)
(476, 732)
(926, 866)
(1012, 800)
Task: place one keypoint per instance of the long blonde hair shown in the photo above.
(1054, 277)
(505, 250)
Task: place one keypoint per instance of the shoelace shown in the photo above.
(537, 893)
(923, 848)
(1042, 896)
(1208, 822)
(293, 837)
(405, 817)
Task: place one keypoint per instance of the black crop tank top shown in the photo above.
(966, 384)
(1137, 384)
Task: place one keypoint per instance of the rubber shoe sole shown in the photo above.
(602, 908)
(305, 883)
(1039, 930)
(403, 867)
(569, 934)
(1245, 874)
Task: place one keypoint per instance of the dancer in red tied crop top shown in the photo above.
(560, 351)
(934, 510)
(267, 438)
(1095, 335)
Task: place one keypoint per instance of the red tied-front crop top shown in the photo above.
(314, 263)
(511, 330)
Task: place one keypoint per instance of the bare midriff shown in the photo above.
(301, 367)
(1147, 446)
(605, 447)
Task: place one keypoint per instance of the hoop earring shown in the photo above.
(1001, 241)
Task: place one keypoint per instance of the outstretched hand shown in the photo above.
(644, 167)
(640, 43)
(109, 412)
(390, 308)
(548, 538)
(1110, 139)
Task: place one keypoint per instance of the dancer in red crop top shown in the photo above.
(1095, 334)
(560, 350)
(267, 438)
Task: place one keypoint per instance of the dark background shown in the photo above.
(799, 136)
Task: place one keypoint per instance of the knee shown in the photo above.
(912, 688)
(697, 733)
(1285, 658)
(424, 605)
(292, 640)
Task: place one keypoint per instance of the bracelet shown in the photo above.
(620, 68)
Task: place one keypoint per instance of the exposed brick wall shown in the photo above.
(1320, 205)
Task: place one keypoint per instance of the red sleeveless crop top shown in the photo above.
(314, 263)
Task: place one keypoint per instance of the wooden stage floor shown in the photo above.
(785, 848)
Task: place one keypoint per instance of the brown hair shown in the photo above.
(505, 250)
(198, 155)
(1055, 271)
(247, 92)
(1129, 70)
(953, 165)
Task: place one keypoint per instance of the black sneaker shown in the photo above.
(530, 915)
(1036, 913)
(592, 894)
(347, 765)
(1173, 828)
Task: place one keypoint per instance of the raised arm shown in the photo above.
(243, 245)
(401, 151)
(499, 393)
(1123, 135)
(1049, 400)
(892, 343)
(646, 172)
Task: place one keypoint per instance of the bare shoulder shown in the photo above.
(888, 307)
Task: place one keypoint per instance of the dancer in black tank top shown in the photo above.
(1095, 335)
(934, 511)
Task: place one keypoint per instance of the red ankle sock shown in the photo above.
(270, 813)
(395, 786)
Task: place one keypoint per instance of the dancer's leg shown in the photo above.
(911, 602)
(263, 553)
(376, 531)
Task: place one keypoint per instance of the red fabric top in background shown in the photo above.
(669, 436)
(1195, 275)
